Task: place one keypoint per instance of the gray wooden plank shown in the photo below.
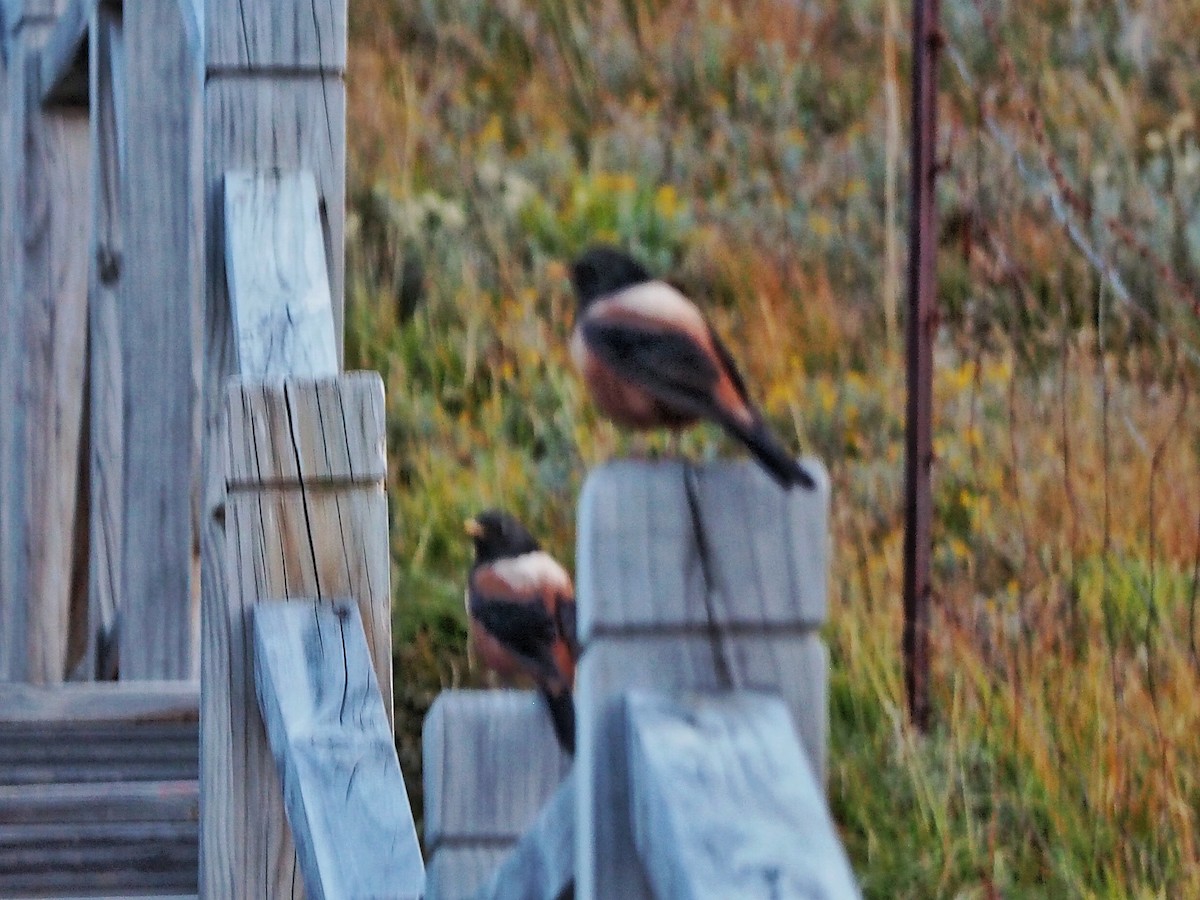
(278, 281)
(456, 873)
(490, 763)
(283, 539)
(304, 36)
(105, 801)
(100, 702)
(794, 666)
(106, 412)
(768, 548)
(542, 863)
(333, 745)
(64, 74)
(161, 297)
(54, 228)
(724, 803)
(14, 573)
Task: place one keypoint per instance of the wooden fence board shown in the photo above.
(161, 296)
(335, 752)
(724, 803)
(55, 224)
(287, 36)
(64, 74)
(100, 702)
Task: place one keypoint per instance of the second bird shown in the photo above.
(521, 613)
(650, 360)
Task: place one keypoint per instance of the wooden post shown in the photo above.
(724, 803)
(44, 308)
(335, 752)
(305, 517)
(490, 763)
(160, 262)
(648, 620)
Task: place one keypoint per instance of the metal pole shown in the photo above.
(922, 321)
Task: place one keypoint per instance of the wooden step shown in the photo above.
(98, 791)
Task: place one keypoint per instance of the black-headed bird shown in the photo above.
(521, 614)
(650, 360)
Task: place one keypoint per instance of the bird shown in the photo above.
(521, 613)
(650, 360)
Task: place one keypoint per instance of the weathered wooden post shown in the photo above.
(274, 100)
(43, 305)
(662, 612)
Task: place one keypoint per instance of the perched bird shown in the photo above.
(650, 360)
(521, 613)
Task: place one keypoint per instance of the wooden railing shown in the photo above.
(701, 699)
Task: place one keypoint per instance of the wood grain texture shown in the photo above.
(308, 35)
(64, 75)
(335, 752)
(641, 590)
(456, 873)
(284, 538)
(278, 281)
(724, 803)
(161, 296)
(542, 862)
(106, 412)
(769, 548)
(55, 219)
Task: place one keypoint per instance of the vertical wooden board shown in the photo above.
(14, 585)
(335, 751)
(278, 281)
(794, 666)
(767, 548)
(723, 802)
(309, 36)
(54, 229)
(106, 412)
(160, 312)
(490, 762)
(457, 873)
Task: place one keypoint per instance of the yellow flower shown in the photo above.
(666, 201)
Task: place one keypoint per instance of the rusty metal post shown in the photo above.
(922, 321)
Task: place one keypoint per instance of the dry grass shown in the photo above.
(745, 147)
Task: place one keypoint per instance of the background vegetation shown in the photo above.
(755, 149)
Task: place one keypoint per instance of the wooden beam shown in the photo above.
(491, 762)
(278, 281)
(656, 614)
(335, 752)
(161, 311)
(305, 516)
(724, 803)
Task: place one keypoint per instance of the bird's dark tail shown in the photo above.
(770, 453)
(562, 716)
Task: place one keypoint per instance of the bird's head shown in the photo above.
(603, 270)
(499, 535)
